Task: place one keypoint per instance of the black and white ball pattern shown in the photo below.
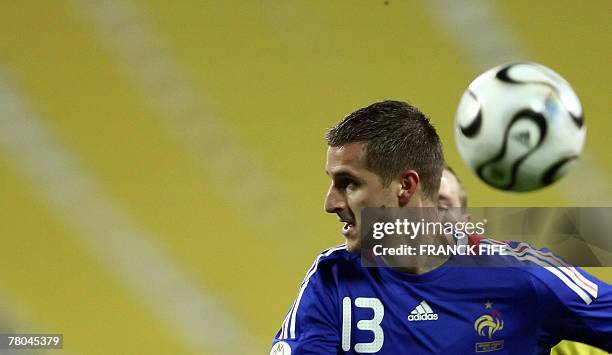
(520, 126)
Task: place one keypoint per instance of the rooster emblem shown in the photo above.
(488, 324)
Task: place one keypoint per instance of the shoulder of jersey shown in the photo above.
(520, 253)
(547, 267)
(321, 268)
(330, 258)
(334, 255)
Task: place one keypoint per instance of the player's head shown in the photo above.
(386, 154)
(452, 193)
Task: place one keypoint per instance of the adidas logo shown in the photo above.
(422, 312)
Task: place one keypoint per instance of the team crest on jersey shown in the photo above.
(486, 326)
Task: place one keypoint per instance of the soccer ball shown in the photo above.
(520, 126)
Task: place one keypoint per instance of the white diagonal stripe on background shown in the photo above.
(130, 252)
(487, 40)
(186, 111)
(478, 29)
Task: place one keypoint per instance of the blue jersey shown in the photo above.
(524, 305)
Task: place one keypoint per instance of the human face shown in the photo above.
(450, 191)
(354, 187)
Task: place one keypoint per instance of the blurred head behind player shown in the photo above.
(452, 195)
(387, 154)
(452, 199)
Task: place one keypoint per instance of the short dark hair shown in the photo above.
(399, 137)
(463, 196)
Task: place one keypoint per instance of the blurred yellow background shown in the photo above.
(162, 163)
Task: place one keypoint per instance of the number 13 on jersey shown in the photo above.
(372, 325)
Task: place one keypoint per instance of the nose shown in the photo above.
(334, 201)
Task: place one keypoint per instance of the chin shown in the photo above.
(353, 246)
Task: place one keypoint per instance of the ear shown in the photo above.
(409, 183)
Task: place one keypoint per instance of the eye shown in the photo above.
(347, 184)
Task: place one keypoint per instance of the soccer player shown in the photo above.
(388, 154)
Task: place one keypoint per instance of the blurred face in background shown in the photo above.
(451, 193)
(354, 187)
(452, 198)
